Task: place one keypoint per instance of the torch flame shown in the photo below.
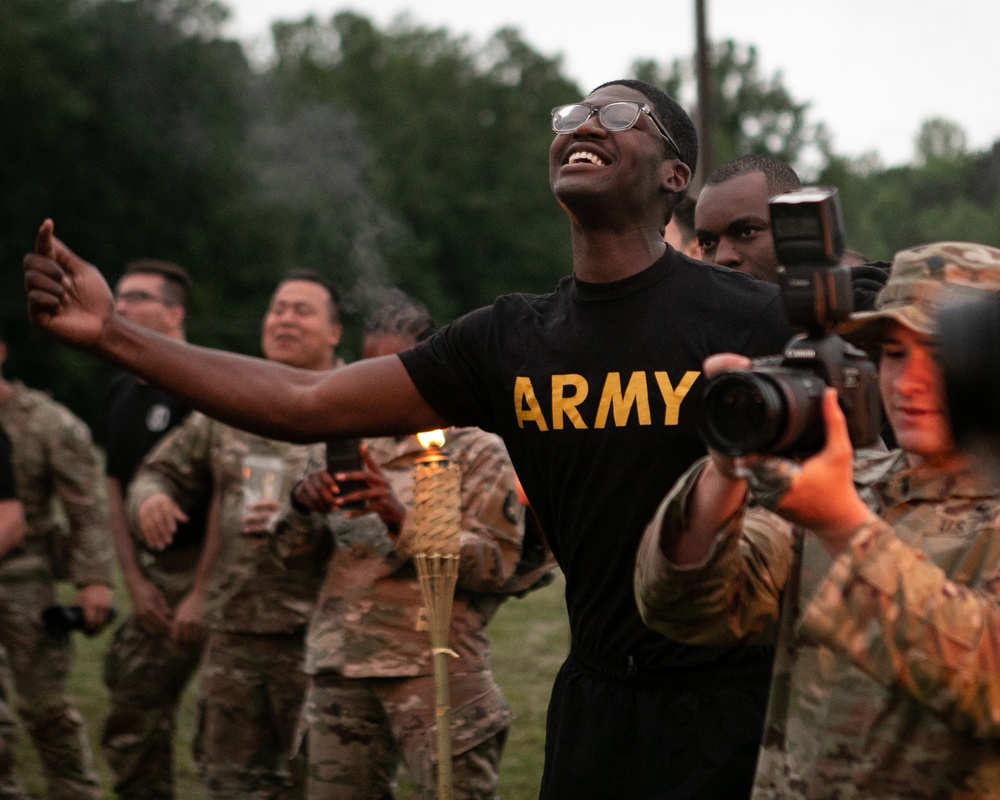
(431, 439)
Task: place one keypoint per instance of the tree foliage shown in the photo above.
(142, 133)
(751, 113)
(940, 138)
(948, 193)
(461, 137)
(399, 156)
(954, 198)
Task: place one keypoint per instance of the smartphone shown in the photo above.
(344, 455)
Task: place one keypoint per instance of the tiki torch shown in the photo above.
(435, 543)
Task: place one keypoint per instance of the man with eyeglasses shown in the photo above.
(593, 389)
(157, 649)
(257, 605)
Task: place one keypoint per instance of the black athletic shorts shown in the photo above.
(619, 738)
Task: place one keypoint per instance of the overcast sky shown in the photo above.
(872, 70)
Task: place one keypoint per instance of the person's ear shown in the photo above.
(175, 316)
(675, 176)
(334, 333)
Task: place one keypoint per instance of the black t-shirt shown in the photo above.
(575, 382)
(138, 416)
(8, 487)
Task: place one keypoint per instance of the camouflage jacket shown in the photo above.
(252, 590)
(887, 677)
(55, 459)
(368, 621)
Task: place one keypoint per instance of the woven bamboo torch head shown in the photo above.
(436, 499)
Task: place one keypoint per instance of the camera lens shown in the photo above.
(763, 411)
(741, 413)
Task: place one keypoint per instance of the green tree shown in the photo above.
(940, 138)
(949, 197)
(461, 138)
(143, 133)
(126, 125)
(752, 113)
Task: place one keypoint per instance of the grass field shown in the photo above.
(530, 640)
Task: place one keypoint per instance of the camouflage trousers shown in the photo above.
(10, 789)
(39, 663)
(252, 690)
(357, 730)
(145, 676)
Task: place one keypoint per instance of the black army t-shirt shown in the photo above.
(594, 389)
(138, 415)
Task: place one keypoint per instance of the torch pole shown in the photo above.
(435, 530)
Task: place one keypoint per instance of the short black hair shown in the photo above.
(674, 118)
(176, 281)
(312, 276)
(398, 314)
(780, 177)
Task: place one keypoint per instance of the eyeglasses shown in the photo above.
(139, 296)
(619, 116)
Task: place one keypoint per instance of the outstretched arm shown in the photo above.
(71, 300)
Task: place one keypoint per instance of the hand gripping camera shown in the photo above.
(776, 406)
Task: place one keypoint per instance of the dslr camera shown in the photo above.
(62, 620)
(776, 406)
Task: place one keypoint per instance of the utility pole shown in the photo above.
(703, 67)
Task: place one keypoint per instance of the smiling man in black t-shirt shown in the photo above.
(594, 389)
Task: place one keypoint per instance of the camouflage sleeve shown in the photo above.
(296, 535)
(299, 533)
(179, 466)
(492, 517)
(734, 594)
(78, 482)
(895, 615)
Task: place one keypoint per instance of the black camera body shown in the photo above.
(62, 620)
(344, 455)
(776, 406)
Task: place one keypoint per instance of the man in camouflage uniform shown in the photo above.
(371, 697)
(252, 684)
(12, 525)
(12, 530)
(54, 461)
(157, 648)
(886, 681)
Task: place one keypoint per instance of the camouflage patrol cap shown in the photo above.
(924, 279)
